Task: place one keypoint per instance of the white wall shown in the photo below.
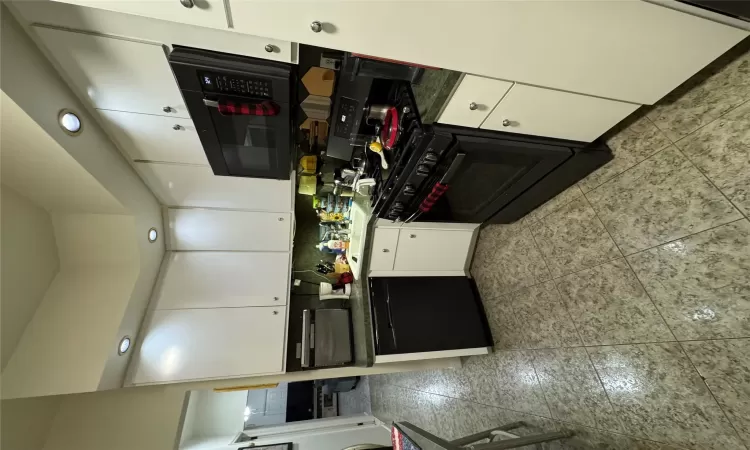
(26, 422)
(214, 414)
(29, 263)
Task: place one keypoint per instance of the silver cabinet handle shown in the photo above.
(316, 26)
(281, 219)
(177, 127)
(167, 109)
(306, 325)
(187, 3)
(276, 299)
(385, 250)
(275, 313)
(473, 106)
(269, 48)
(506, 122)
(412, 236)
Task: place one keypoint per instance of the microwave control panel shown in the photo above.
(231, 84)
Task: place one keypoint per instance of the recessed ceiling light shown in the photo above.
(152, 235)
(70, 122)
(124, 345)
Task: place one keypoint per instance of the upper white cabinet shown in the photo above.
(224, 280)
(206, 13)
(116, 74)
(197, 186)
(193, 344)
(212, 229)
(473, 101)
(155, 138)
(626, 50)
(546, 112)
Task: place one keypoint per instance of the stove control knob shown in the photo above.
(430, 158)
(423, 170)
(398, 206)
(410, 190)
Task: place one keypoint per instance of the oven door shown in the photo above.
(492, 173)
(258, 146)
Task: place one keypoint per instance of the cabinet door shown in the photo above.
(383, 251)
(224, 280)
(206, 13)
(557, 114)
(155, 138)
(473, 101)
(626, 50)
(432, 250)
(197, 186)
(193, 344)
(213, 229)
(116, 74)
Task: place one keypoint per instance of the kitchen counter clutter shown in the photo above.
(322, 190)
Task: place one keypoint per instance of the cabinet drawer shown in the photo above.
(438, 250)
(116, 74)
(224, 280)
(212, 229)
(473, 101)
(546, 112)
(384, 245)
(192, 344)
(155, 138)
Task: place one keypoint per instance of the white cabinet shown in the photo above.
(546, 112)
(155, 138)
(213, 229)
(206, 13)
(421, 248)
(432, 250)
(224, 280)
(193, 344)
(116, 74)
(473, 101)
(627, 50)
(385, 241)
(197, 186)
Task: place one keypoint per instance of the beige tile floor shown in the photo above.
(621, 308)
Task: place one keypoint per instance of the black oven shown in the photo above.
(242, 109)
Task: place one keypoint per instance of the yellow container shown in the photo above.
(307, 184)
(309, 164)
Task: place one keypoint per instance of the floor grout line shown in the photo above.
(533, 415)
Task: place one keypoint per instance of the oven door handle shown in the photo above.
(211, 103)
(438, 189)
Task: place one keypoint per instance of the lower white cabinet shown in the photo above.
(220, 230)
(421, 249)
(197, 186)
(223, 280)
(439, 250)
(155, 138)
(563, 115)
(193, 344)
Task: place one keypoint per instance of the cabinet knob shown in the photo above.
(177, 127)
(385, 250)
(281, 219)
(473, 106)
(506, 122)
(275, 313)
(187, 3)
(167, 109)
(276, 299)
(316, 26)
(412, 236)
(269, 48)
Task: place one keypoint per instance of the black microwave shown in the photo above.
(242, 108)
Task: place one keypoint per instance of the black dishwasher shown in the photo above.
(427, 314)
